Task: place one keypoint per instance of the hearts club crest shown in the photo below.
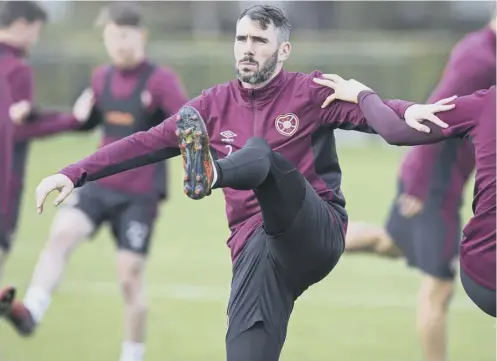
(287, 124)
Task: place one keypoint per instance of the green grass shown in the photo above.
(364, 311)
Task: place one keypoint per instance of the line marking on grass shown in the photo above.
(205, 294)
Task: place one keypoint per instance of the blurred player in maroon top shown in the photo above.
(130, 95)
(472, 117)
(20, 25)
(424, 225)
(266, 141)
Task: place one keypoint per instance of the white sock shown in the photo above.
(132, 351)
(37, 301)
(214, 175)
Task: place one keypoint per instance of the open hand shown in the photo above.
(83, 106)
(58, 182)
(346, 90)
(418, 113)
(409, 206)
(19, 111)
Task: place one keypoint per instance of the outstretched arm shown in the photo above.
(391, 127)
(30, 123)
(403, 129)
(45, 124)
(460, 116)
(38, 124)
(136, 150)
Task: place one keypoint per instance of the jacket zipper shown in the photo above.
(254, 115)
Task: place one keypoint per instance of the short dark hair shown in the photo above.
(267, 14)
(11, 11)
(121, 13)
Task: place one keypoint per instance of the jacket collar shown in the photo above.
(264, 93)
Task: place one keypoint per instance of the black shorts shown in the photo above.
(11, 220)
(5, 234)
(430, 240)
(483, 297)
(271, 272)
(131, 217)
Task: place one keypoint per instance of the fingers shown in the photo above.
(346, 90)
(88, 96)
(42, 192)
(83, 106)
(87, 93)
(329, 84)
(329, 100)
(436, 120)
(442, 105)
(411, 210)
(324, 82)
(443, 108)
(333, 77)
(63, 195)
(435, 108)
(19, 111)
(405, 210)
(418, 126)
(447, 100)
(409, 206)
(58, 182)
(329, 80)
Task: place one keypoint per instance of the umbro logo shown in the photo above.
(228, 136)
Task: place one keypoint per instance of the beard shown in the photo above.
(260, 75)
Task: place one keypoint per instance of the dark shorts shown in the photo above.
(5, 234)
(430, 240)
(11, 220)
(483, 297)
(131, 217)
(271, 272)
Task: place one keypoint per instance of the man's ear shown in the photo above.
(146, 34)
(285, 49)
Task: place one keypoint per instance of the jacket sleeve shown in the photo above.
(396, 132)
(137, 150)
(46, 124)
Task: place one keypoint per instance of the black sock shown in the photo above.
(244, 169)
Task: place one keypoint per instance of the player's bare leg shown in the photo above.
(130, 273)
(367, 238)
(69, 228)
(433, 302)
